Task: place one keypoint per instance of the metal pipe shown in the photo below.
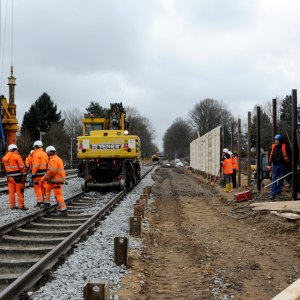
(249, 148)
(258, 147)
(232, 138)
(274, 118)
(278, 179)
(240, 153)
(294, 144)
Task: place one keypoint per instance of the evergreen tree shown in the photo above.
(286, 110)
(97, 110)
(40, 116)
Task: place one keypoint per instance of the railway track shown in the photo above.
(3, 181)
(31, 245)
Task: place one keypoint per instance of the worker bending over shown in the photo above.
(28, 163)
(279, 154)
(235, 168)
(39, 169)
(227, 166)
(55, 176)
(16, 174)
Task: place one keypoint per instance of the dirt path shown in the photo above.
(193, 252)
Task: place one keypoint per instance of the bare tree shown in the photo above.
(142, 126)
(178, 137)
(73, 128)
(209, 114)
(57, 137)
(24, 142)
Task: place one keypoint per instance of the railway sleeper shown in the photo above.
(30, 241)
(41, 233)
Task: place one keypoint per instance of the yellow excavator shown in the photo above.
(155, 156)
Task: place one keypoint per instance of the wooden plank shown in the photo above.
(287, 205)
(292, 292)
(286, 215)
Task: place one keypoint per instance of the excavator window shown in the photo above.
(92, 127)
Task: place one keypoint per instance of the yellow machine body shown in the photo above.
(110, 156)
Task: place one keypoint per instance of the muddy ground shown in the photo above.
(195, 252)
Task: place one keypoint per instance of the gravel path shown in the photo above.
(7, 215)
(94, 258)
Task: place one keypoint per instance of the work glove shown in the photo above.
(270, 168)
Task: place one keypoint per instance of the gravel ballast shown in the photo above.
(94, 258)
(7, 215)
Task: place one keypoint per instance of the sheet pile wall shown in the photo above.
(205, 152)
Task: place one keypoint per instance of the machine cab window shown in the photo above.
(92, 127)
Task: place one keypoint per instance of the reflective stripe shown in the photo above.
(61, 204)
(35, 166)
(12, 167)
(43, 171)
(13, 175)
(22, 166)
(55, 180)
(33, 173)
(57, 170)
(47, 176)
(64, 208)
(42, 165)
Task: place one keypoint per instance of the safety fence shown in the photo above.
(205, 152)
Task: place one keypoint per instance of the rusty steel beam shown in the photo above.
(258, 167)
(121, 248)
(274, 110)
(135, 226)
(240, 153)
(249, 149)
(232, 138)
(294, 144)
(96, 291)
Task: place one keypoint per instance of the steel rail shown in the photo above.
(35, 273)
(33, 215)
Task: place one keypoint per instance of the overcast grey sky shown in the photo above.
(160, 56)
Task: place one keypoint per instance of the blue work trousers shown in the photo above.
(277, 172)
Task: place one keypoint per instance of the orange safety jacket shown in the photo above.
(28, 161)
(285, 156)
(234, 161)
(39, 162)
(227, 166)
(56, 172)
(14, 164)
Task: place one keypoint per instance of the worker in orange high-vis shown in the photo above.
(55, 177)
(28, 163)
(227, 166)
(235, 169)
(16, 174)
(39, 169)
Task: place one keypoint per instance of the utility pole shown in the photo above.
(249, 149)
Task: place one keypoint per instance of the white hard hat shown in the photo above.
(225, 150)
(50, 148)
(31, 152)
(229, 152)
(12, 146)
(38, 143)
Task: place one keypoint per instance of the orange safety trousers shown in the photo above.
(13, 187)
(39, 189)
(57, 193)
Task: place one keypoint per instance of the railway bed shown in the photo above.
(37, 240)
